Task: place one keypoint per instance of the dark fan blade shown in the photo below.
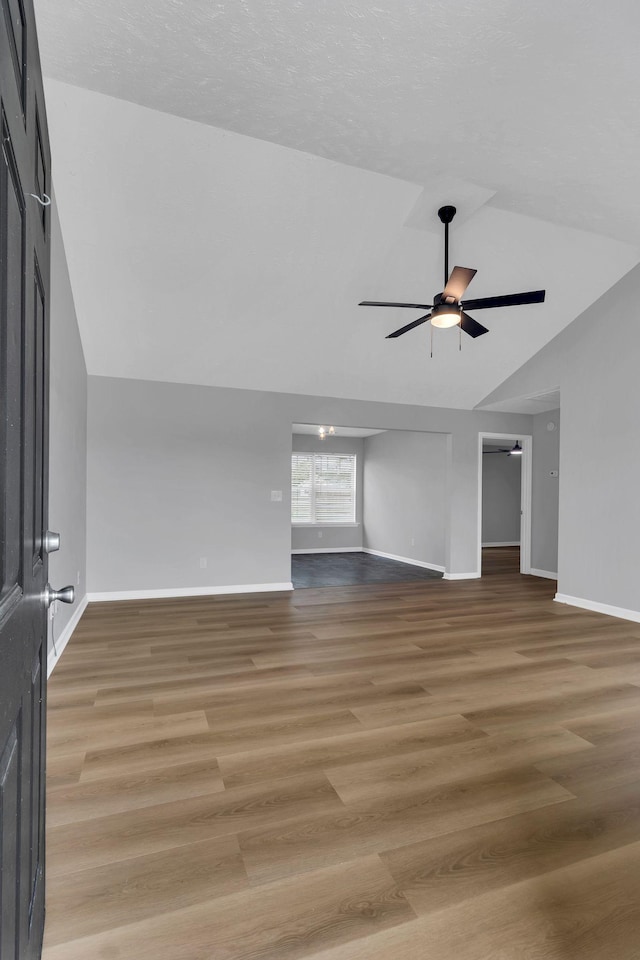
(471, 326)
(458, 281)
(412, 306)
(409, 326)
(511, 300)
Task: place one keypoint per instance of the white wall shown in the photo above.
(545, 493)
(333, 537)
(178, 472)
(405, 495)
(501, 498)
(67, 438)
(595, 364)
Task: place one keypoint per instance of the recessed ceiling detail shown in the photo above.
(469, 198)
(310, 429)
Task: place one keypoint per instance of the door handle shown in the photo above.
(51, 541)
(65, 595)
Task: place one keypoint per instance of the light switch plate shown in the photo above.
(276, 496)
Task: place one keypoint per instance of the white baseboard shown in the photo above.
(596, 607)
(330, 550)
(56, 650)
(393, 556)
(188, 592)
(505, 543)
(547, 574)
(462, 576)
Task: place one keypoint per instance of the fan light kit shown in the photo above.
(444, 317)
(448, 308)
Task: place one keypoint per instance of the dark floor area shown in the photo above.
(345, 569)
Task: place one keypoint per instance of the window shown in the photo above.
(323, 488)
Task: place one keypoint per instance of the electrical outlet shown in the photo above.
(320, 534)
(276, 496)
(78, 578)
(413, 541)
(203, 563)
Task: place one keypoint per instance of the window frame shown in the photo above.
(309, 524)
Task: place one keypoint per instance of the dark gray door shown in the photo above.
(24, 296)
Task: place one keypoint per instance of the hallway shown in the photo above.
(500, 560)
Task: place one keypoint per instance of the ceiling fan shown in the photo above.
(514, 451)
(448, 308)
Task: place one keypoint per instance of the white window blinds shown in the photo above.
(302, 488)
(323, 488)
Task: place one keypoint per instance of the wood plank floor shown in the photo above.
(423, 771)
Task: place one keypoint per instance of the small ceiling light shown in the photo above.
(332, 431)
(322, 432)
(447, 315)
(516, 450)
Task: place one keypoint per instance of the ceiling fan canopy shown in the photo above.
(448, 308)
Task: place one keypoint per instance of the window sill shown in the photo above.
(323, 526)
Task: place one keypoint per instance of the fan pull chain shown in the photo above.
(431, 330)
(459, 337)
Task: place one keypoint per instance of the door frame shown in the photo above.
(526, 473)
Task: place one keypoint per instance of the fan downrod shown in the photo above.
(446, 214)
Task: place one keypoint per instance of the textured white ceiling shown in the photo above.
(538, 101)
(203, 256)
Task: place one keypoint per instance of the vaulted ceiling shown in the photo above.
(234, 177)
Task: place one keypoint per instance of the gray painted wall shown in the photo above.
(405, 495)
(594, 362)
(177, 472)
(333, 537)
(545, 493)
(501, 498)
(67, 437)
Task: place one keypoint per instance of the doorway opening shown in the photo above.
(504, 502)
(367, 505)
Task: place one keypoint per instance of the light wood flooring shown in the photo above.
(422, 771)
